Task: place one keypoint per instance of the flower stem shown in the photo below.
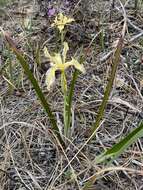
(62, 37)
(64, 90)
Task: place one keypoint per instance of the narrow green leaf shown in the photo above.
(37, 55)
(111, 154)
(102, 108)
(118, 148)
(36, 86)
(69, 102)
(70, 97)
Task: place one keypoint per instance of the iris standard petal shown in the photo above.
(61, 27)
(60, 17)
(57, 59)
(76, 64)
(47, 54)
(61, 20)
(68, 20)
(50, 77)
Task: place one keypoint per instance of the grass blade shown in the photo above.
(115, 151)
(70, 97)
(69, 101)
(36, 86)
(115, 63)
(118, 148)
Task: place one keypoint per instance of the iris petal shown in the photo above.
(58, 62)
(76, 64)
(48, 56)
(57, 58)
(50, 77)
(61, 20)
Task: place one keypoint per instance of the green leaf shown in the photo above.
(36, 86)
(69, 97)
(111, 154)
(118, 148)
(68, 103)
(102, 107)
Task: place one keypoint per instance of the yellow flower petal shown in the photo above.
(60, 67)
(68, 20)
(65, 50)
(61, 27)
(60, 17)
(50, 77)
(61, 20)
(48, 56)
(76, 64)
(47, 53)
(56, 59)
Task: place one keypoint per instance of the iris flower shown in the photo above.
(61, 20)
(58, 62)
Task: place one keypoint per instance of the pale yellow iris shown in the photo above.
(61, 20)
(58, 62)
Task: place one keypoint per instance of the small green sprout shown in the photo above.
(61, 20)
(58, 62)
